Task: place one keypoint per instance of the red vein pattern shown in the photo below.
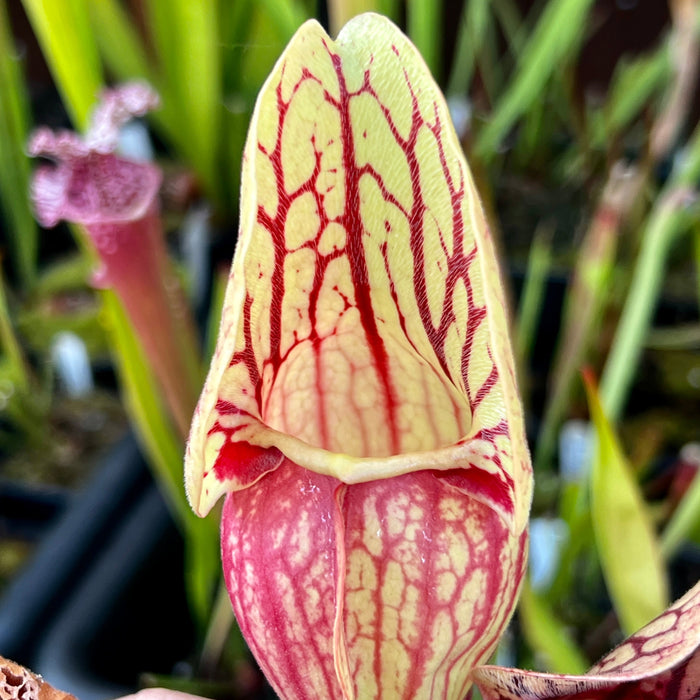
(660, 662)
(364, 315)
(394, 589)
(361, 409)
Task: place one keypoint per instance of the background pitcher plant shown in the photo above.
(361, 410)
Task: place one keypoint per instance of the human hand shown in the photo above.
(160, 694)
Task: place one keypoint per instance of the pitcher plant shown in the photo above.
(361, 413)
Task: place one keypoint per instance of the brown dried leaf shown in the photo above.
(19, 683)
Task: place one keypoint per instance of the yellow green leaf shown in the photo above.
(63, 30)
(629, 550)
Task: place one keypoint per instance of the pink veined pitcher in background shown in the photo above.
(361, 411)
(116, 200)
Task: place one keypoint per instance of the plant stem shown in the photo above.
(668, 218)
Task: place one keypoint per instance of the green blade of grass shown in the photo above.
(629, 550)
(635, 83)
(476, 17)
(538, 266)
(165, 454)
(186, 37)
(285, 16)
(673, 212)
(477, 45)
(685, 520)
(119, 42)
(557, 34)
(68, 44)
(512, 23)
(202, 565)
(547, 636)
(424, 25)
(342, 11)
(200, 82)
(236, 20)
(163, 28)
(12, 350)
(21, 229)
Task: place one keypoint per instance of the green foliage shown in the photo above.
(554, 39)
(629, 550)
(14, 165)
(548, 636)
(532, 124)
(69, 45)
(423, 26)
(165, 452)
(671, 215)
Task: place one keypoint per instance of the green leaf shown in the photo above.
(165, 454)
(187, 41)
(285, 16)
(685, 519)
(120, 44)
(235, 20)
(202, 565)
(342, 11)
(547, 636)
(675, 211)
(20, 227)
(69, 47)
(473, 30)
(65, 274)
(634, 84)
(629, 551)
(557, 33)
(12, 351)
(424, 24)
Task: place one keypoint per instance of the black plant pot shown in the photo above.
(103, 599)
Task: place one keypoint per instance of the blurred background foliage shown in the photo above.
(580, 121)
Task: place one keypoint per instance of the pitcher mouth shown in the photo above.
(476, 464)
(353, 469)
